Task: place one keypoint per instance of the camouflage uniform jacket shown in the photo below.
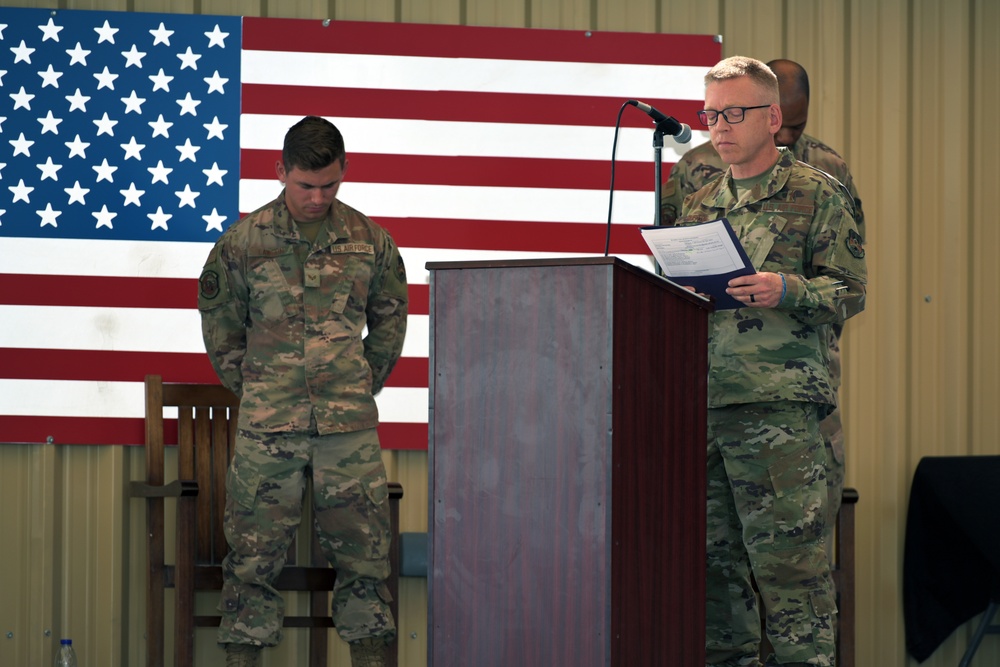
(283, 320)
(702, 164)
(798, 223)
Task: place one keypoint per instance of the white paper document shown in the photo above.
(705, 256)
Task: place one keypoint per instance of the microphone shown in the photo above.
(681, 132)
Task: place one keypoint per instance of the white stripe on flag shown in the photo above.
(540, 77)
(83, 398)
(174, 330)
(450, 138)
(460, 202)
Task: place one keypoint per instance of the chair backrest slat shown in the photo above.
(206, 417)
(223, 438)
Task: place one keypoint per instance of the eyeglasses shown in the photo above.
(732, 115)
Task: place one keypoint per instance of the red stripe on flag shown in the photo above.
(563, 237)
(76, 430)
(448, 105)
(119, 292)
(131, 431)
(452, 41)
(97, 291)
(477, 171)
(403, 435)
(111, 366)
(104, 365)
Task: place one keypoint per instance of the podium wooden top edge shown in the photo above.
(512, 263)
(610, 260)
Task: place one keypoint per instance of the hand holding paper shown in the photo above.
(705, 256)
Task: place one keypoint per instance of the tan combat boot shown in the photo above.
(242, 655)
(368, 652)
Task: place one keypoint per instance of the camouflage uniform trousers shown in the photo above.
(265, 488)
(832, 429)
(833, 437)
(766, 514)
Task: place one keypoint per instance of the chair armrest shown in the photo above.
(176, 489)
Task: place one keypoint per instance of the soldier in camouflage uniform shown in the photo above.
(702, 164)
(285, 296)
(769, 378)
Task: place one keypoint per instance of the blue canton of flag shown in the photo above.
(121, 126)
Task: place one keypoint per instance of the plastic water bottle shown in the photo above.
(66, 657)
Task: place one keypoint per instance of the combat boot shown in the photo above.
(242, 655)
(368, 652)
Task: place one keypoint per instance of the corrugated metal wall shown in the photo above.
(906, 90)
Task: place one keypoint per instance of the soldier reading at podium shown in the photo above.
(769, 377)
(702, 164)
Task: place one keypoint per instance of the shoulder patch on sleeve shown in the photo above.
(400, 269)
(209, 284)
(855, 244)
(213, 285)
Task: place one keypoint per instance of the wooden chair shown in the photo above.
(843, 581)
(206, 430)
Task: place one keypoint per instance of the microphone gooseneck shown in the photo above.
(681, 132)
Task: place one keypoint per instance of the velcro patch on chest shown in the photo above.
(787, 207)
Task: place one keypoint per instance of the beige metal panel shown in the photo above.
(412, 472)
(28, 526)
(984, 181)
(961, 170)
(297, 9)
(752, 27)
(562, 15)
(939, 233)
(687, 17)
(496, 13)
(34, 4)
(134, 562)
(625, 15)
(451, 12)
(233, 7)
(102, 5)
(816, 39)
(369, 10)
(62, 556)
(413, 475)
(164, 6)
(875, 350)
(88, 552)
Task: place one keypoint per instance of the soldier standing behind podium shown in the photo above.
(769, 378)
(285, 297)
(702, 164)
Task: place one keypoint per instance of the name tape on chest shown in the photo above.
(353, 248)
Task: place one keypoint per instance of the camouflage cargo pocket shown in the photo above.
(376, 490)
(242, 481)
(798, 481)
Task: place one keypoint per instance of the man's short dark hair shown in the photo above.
(312, 144)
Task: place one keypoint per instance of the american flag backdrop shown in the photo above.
(129, 141)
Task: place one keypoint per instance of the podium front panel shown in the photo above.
(564, 530)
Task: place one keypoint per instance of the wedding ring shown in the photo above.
(752, 300)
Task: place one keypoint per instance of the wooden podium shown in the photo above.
(567, 466)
